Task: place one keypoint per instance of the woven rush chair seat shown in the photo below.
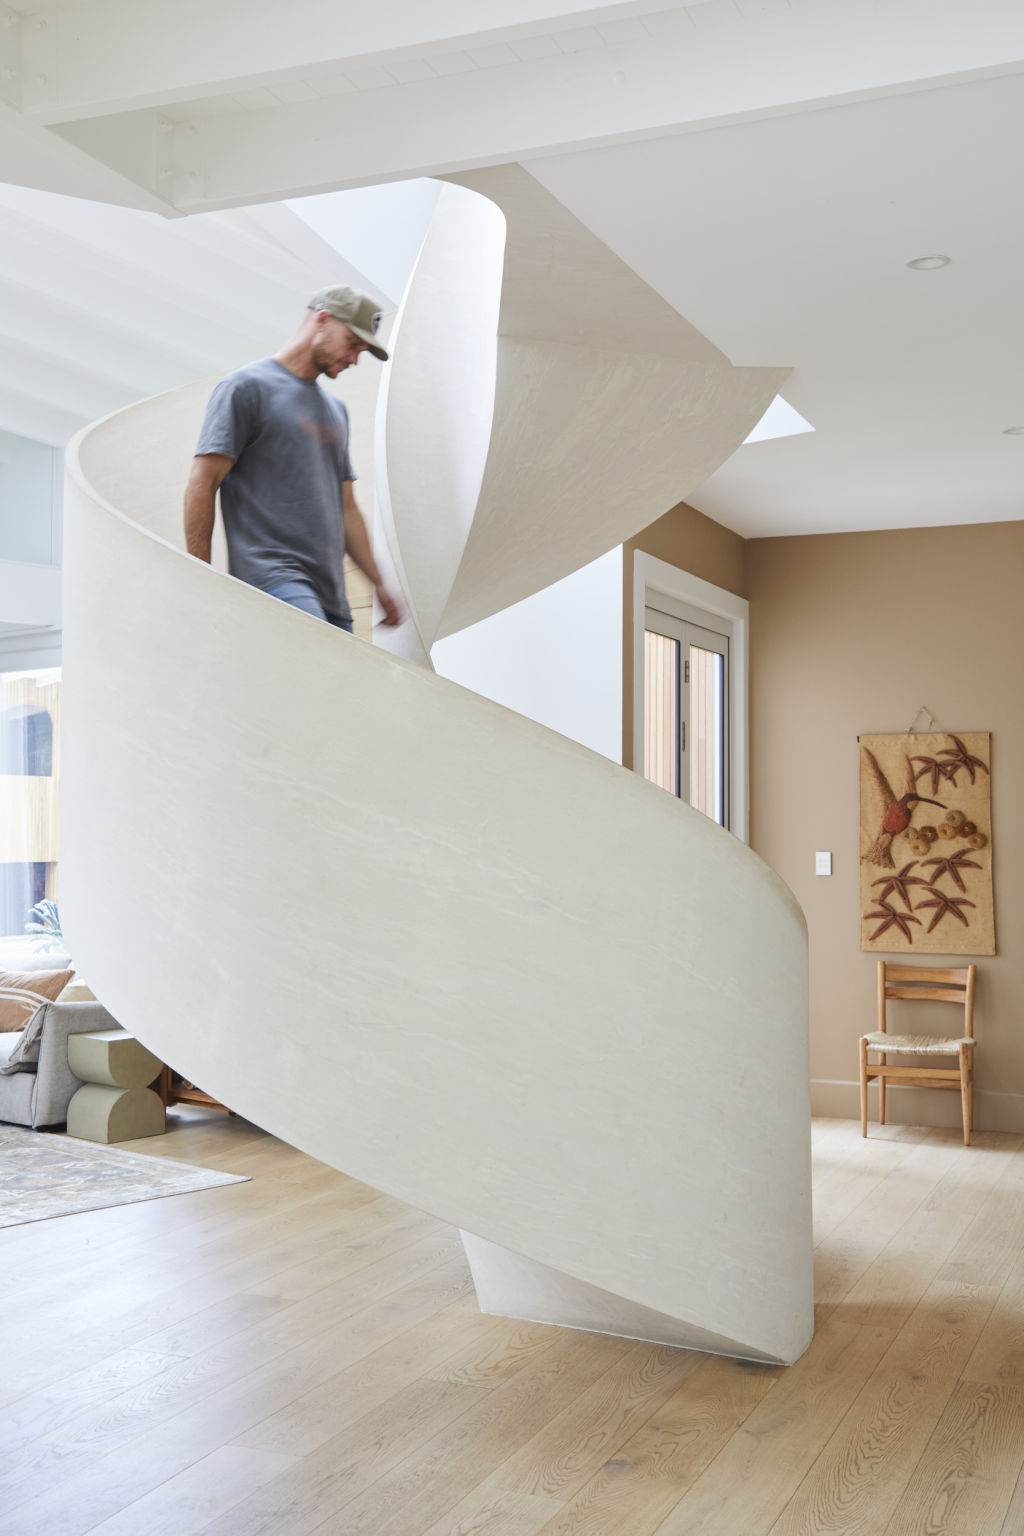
(924, 1045)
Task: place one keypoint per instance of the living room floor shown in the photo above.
(301, 1354)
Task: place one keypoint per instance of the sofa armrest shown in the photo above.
(55, 1081)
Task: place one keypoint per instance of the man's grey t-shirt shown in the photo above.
(281, 499)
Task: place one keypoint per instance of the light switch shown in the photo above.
(822, 863)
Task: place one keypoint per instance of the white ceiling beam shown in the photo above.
(773, 63)
(90, 57)
(33, 156)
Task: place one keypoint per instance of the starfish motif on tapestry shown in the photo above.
(937, 770)
(943, 904)
(952, 866)
(887, 917)
(899, 883)
(961, 758)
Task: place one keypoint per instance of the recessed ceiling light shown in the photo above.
(1013, 431)
(928, 263)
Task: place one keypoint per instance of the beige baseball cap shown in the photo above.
(358, 310)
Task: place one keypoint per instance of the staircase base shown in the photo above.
(510, 1285)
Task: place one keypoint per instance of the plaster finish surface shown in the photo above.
(511, 1285)
(437, 401)
(543, 404)
(502, 1026)
(419, 936)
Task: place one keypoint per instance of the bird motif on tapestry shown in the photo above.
(894, 812)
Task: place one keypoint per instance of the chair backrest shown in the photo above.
(927, 984)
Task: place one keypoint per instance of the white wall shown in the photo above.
(31, 482)
(29, 594)
(556, 657)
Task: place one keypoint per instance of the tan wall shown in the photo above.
(685, 538)
(850, 633)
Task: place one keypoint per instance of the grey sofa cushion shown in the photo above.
(23, 1055)
(17, 1095)
(9, 1041)
(42, 1097)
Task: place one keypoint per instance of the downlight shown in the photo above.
(928, 263)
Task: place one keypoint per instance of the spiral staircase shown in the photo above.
(415, 934)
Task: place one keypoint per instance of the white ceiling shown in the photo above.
(101, 306)
(768, 166)
(786, 241)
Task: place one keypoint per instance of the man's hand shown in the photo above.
(393, 612)
(357, 545)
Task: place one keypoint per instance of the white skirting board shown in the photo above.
(839, 1099)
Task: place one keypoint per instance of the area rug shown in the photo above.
(45, 1174)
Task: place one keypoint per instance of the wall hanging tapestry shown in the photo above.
(926, 844)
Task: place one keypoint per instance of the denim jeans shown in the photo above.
(300, 594)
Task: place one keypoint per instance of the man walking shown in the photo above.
(276, 447)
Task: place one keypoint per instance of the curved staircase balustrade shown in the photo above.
(422, 938)
(608, 406)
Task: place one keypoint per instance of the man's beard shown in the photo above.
(323, 364)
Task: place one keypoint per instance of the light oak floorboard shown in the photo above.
(190, 1500)
(965, 1480)
(1013, 1522)
(292, 1347)
(119, 1459)
(306, 1421)
(569, 1450)
(857, 1480)
(302, 1354)
(644, 1481)
(751, 1480)
(420, 1491)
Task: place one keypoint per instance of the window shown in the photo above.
(686, 735)
(690, 689)
(29, 763)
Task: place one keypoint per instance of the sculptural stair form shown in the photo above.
(422, 938)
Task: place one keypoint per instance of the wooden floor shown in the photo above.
(300, 1354)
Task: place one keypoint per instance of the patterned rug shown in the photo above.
(44, 1174)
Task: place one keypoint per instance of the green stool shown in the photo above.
(116, 1103)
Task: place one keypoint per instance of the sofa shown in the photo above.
(39, 1094)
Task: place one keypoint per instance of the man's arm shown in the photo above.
(208, 470)
(357, 544)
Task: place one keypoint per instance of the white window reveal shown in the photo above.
(690, 652)
(686, 721)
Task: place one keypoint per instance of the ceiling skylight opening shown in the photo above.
(779, 420)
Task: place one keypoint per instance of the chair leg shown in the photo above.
(966, 1093)
(863, 1087)
(881, 1091)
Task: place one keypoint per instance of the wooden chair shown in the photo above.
(175, 1089)
(913, 982)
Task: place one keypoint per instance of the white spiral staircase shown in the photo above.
(422, 938)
